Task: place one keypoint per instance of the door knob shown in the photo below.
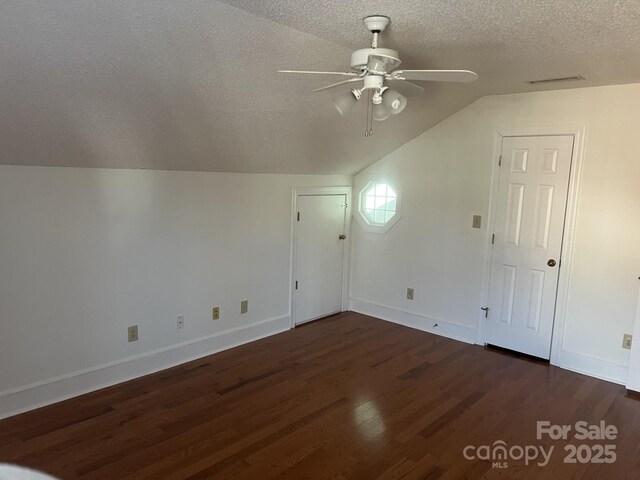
(342, 237)
(551, 263)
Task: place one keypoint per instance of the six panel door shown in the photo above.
(531, 205)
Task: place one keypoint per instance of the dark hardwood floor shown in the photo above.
(348, 397)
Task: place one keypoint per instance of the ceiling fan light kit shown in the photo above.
(376, 66)
(394, 101)
(380, 112)
(345, 102)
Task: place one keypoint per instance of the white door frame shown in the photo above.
(579, 133)
(633, 378)
(315, 191)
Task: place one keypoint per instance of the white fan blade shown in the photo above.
(435, 75)
(336, 84)
(405, 88)
(344, 74)
(379, 64)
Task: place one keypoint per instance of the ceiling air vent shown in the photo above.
(554, 80)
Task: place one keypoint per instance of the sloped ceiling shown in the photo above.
(191, 85)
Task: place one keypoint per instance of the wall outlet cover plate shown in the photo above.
(132, 333)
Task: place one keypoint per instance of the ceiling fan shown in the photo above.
(386, 87)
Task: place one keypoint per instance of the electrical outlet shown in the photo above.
(477, 221)
(132, 333)
(409, 293)
(215, 313)
(180, 322)
(244, 306)
(626, 341)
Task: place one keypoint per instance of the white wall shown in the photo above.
(87, 252)
(445, 177)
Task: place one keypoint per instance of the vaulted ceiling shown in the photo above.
(191, 85)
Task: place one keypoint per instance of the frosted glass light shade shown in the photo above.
(380, 112)
(345, 102)
(394, 102)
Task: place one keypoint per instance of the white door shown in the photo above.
(532, 200)
(319, 256)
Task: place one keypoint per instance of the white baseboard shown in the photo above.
(35, 395)
(593, 366)
(579, 363)
(415, 320)
(633, 387)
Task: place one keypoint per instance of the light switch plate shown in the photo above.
(477, 221)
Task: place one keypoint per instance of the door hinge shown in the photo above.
(500, 161)
(486, 311)
(493, 238)
(298, 216)
(296, 284)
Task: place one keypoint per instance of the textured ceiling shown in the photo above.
(191, 85)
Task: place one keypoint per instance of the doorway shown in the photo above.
(320, 253)
(527, 242)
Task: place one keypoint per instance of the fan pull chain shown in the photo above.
(369, 119)
(368, 131)
(366, 120)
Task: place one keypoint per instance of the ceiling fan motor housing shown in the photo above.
(373, 82)
(360, 58)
